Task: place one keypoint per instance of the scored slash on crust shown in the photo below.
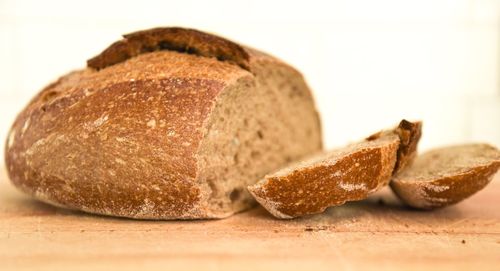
(175, 39)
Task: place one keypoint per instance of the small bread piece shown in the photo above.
(447, 175)
(409, 135)
(329, 179)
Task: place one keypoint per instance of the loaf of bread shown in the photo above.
(345, 174)
(446, 175)
(167, 123)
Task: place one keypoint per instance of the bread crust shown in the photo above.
(328, 182)
(82, 158)
(409, 134)
(121, 137)
(175, 39)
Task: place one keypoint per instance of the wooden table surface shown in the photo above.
(377, 233)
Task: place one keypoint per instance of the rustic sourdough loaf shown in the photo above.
(446, 175)
(332, 178)
(167, 123)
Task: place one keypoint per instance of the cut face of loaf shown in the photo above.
(332, 178)
(165, 124)
(448, 175)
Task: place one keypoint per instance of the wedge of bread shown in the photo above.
(447, 175)
(332, 178)
(167, 123)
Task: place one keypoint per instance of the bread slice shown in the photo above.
(332, 178)
(167, 123)
(447, 175)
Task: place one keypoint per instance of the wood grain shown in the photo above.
(378, 233)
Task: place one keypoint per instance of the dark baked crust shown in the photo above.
(409, 135)
(470, 183)
(175, 39)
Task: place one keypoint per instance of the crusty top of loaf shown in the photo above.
(174, 39)
(151, 66)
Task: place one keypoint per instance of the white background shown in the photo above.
(369, 63)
